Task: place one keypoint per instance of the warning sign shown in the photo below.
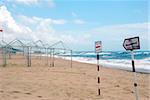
(98, 46)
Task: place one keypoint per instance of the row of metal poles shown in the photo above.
(27, 51)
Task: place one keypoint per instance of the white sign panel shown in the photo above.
(131, 43)
(98, 46)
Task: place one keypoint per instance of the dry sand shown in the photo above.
(42, 82)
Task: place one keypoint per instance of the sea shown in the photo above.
(114, 59)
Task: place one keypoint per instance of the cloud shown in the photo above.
(50, 3)
(79, 21)
(7, 20)
(11, 29)
(115, 34)
(60, 21)
(37, 28)
(26, 2)
(74, 14)
(38, 20)
(132, 29)
(42, 29)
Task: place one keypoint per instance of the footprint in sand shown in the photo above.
(1, 91)
(117, 85)
(68, 94)
(39, 96)
(16, 92)
(28, 93)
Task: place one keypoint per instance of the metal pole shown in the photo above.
(40, 53)
(2, 36)
(23, 50)
(47, 57)
(9, 52)
(53, 58)
(4, 56)
(30, 55)
(46, 52)
(135, 77)
(98, 69)
(71, 58)
(50, 57)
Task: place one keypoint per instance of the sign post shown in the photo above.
(98, 48)
(2, 33)
(133, 44)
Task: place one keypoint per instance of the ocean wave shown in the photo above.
(141, 65)
(120, 59)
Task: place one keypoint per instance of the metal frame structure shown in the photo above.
(31, 50)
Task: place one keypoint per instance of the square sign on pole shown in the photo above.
(98, 46)
(131, 43)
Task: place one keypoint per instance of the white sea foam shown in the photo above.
(140, 65)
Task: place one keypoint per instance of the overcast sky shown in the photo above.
(79, 23)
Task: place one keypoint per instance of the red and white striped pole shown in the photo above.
(98, 48)
(98, 76)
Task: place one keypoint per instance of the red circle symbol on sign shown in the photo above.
(98, 46)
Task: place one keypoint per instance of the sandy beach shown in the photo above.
(49, 49)
(61, 82)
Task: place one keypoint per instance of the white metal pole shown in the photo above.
(2, 36)
(4, 56)
(53, 58)
(135, 77)
(28, 57)
(50, 57)
(71, 58)
(46, 56)
(40, 53)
